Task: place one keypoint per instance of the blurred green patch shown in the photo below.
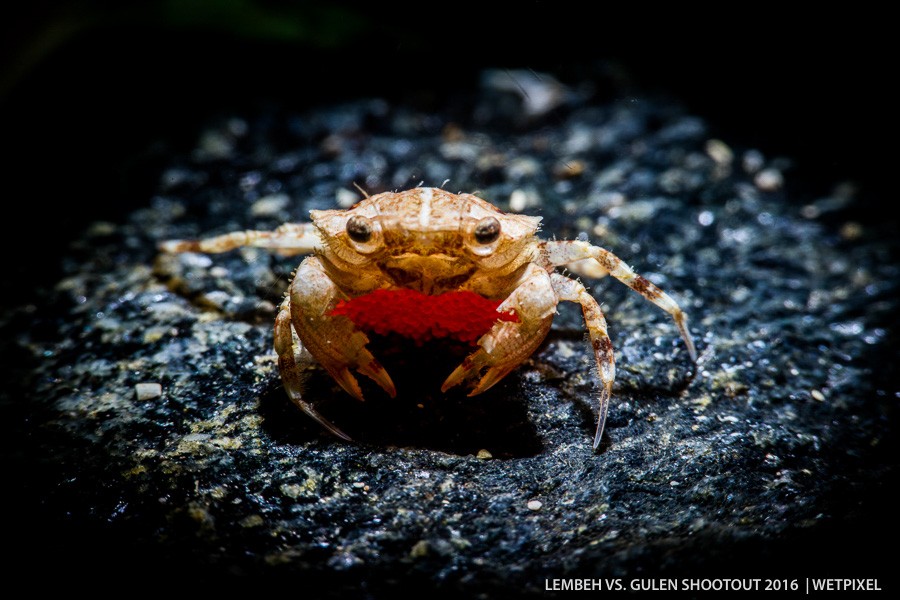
(39, 30)
(316, 23)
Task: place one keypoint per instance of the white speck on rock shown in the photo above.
(147, 391)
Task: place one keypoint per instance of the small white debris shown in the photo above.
(518, 200)
(540, 93)
(535, 505)
(719, 152)
(269, 206)
(291, 490)
(523, 199)
(769, 180)
(147, 391)
(565, 349)
(194, 260)
(817, 395)
(346, 198)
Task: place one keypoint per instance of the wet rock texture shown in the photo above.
(152, 437)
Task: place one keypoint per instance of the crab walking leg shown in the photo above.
(335, 341)
(509, 343)
(288, 240)
(290, 372)
(573, 291)
(587, 267)
(567, 252)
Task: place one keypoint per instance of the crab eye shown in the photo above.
(359, 228)
(487, 230)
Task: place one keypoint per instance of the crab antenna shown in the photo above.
(361, 191)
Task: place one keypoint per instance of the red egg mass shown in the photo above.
(464, 316)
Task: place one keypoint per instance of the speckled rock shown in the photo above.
(154, 436)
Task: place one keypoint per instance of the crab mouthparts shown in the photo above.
(462, 315)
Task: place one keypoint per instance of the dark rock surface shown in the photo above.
(772, 457)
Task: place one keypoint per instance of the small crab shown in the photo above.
(428, 263)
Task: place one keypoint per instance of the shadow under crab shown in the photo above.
(420, 416)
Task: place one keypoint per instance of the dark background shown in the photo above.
(95, 96)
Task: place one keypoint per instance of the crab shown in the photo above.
(429, 263)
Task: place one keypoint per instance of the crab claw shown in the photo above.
(372, 369)
(508, 343)
(472, 367)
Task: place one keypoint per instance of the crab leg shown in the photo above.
(508, 343)
(573, 291)
(561, 253)
(334, 340)
(290, 372)
(288, 240)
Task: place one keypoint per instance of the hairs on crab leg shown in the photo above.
(287, 240)
(562, 253)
